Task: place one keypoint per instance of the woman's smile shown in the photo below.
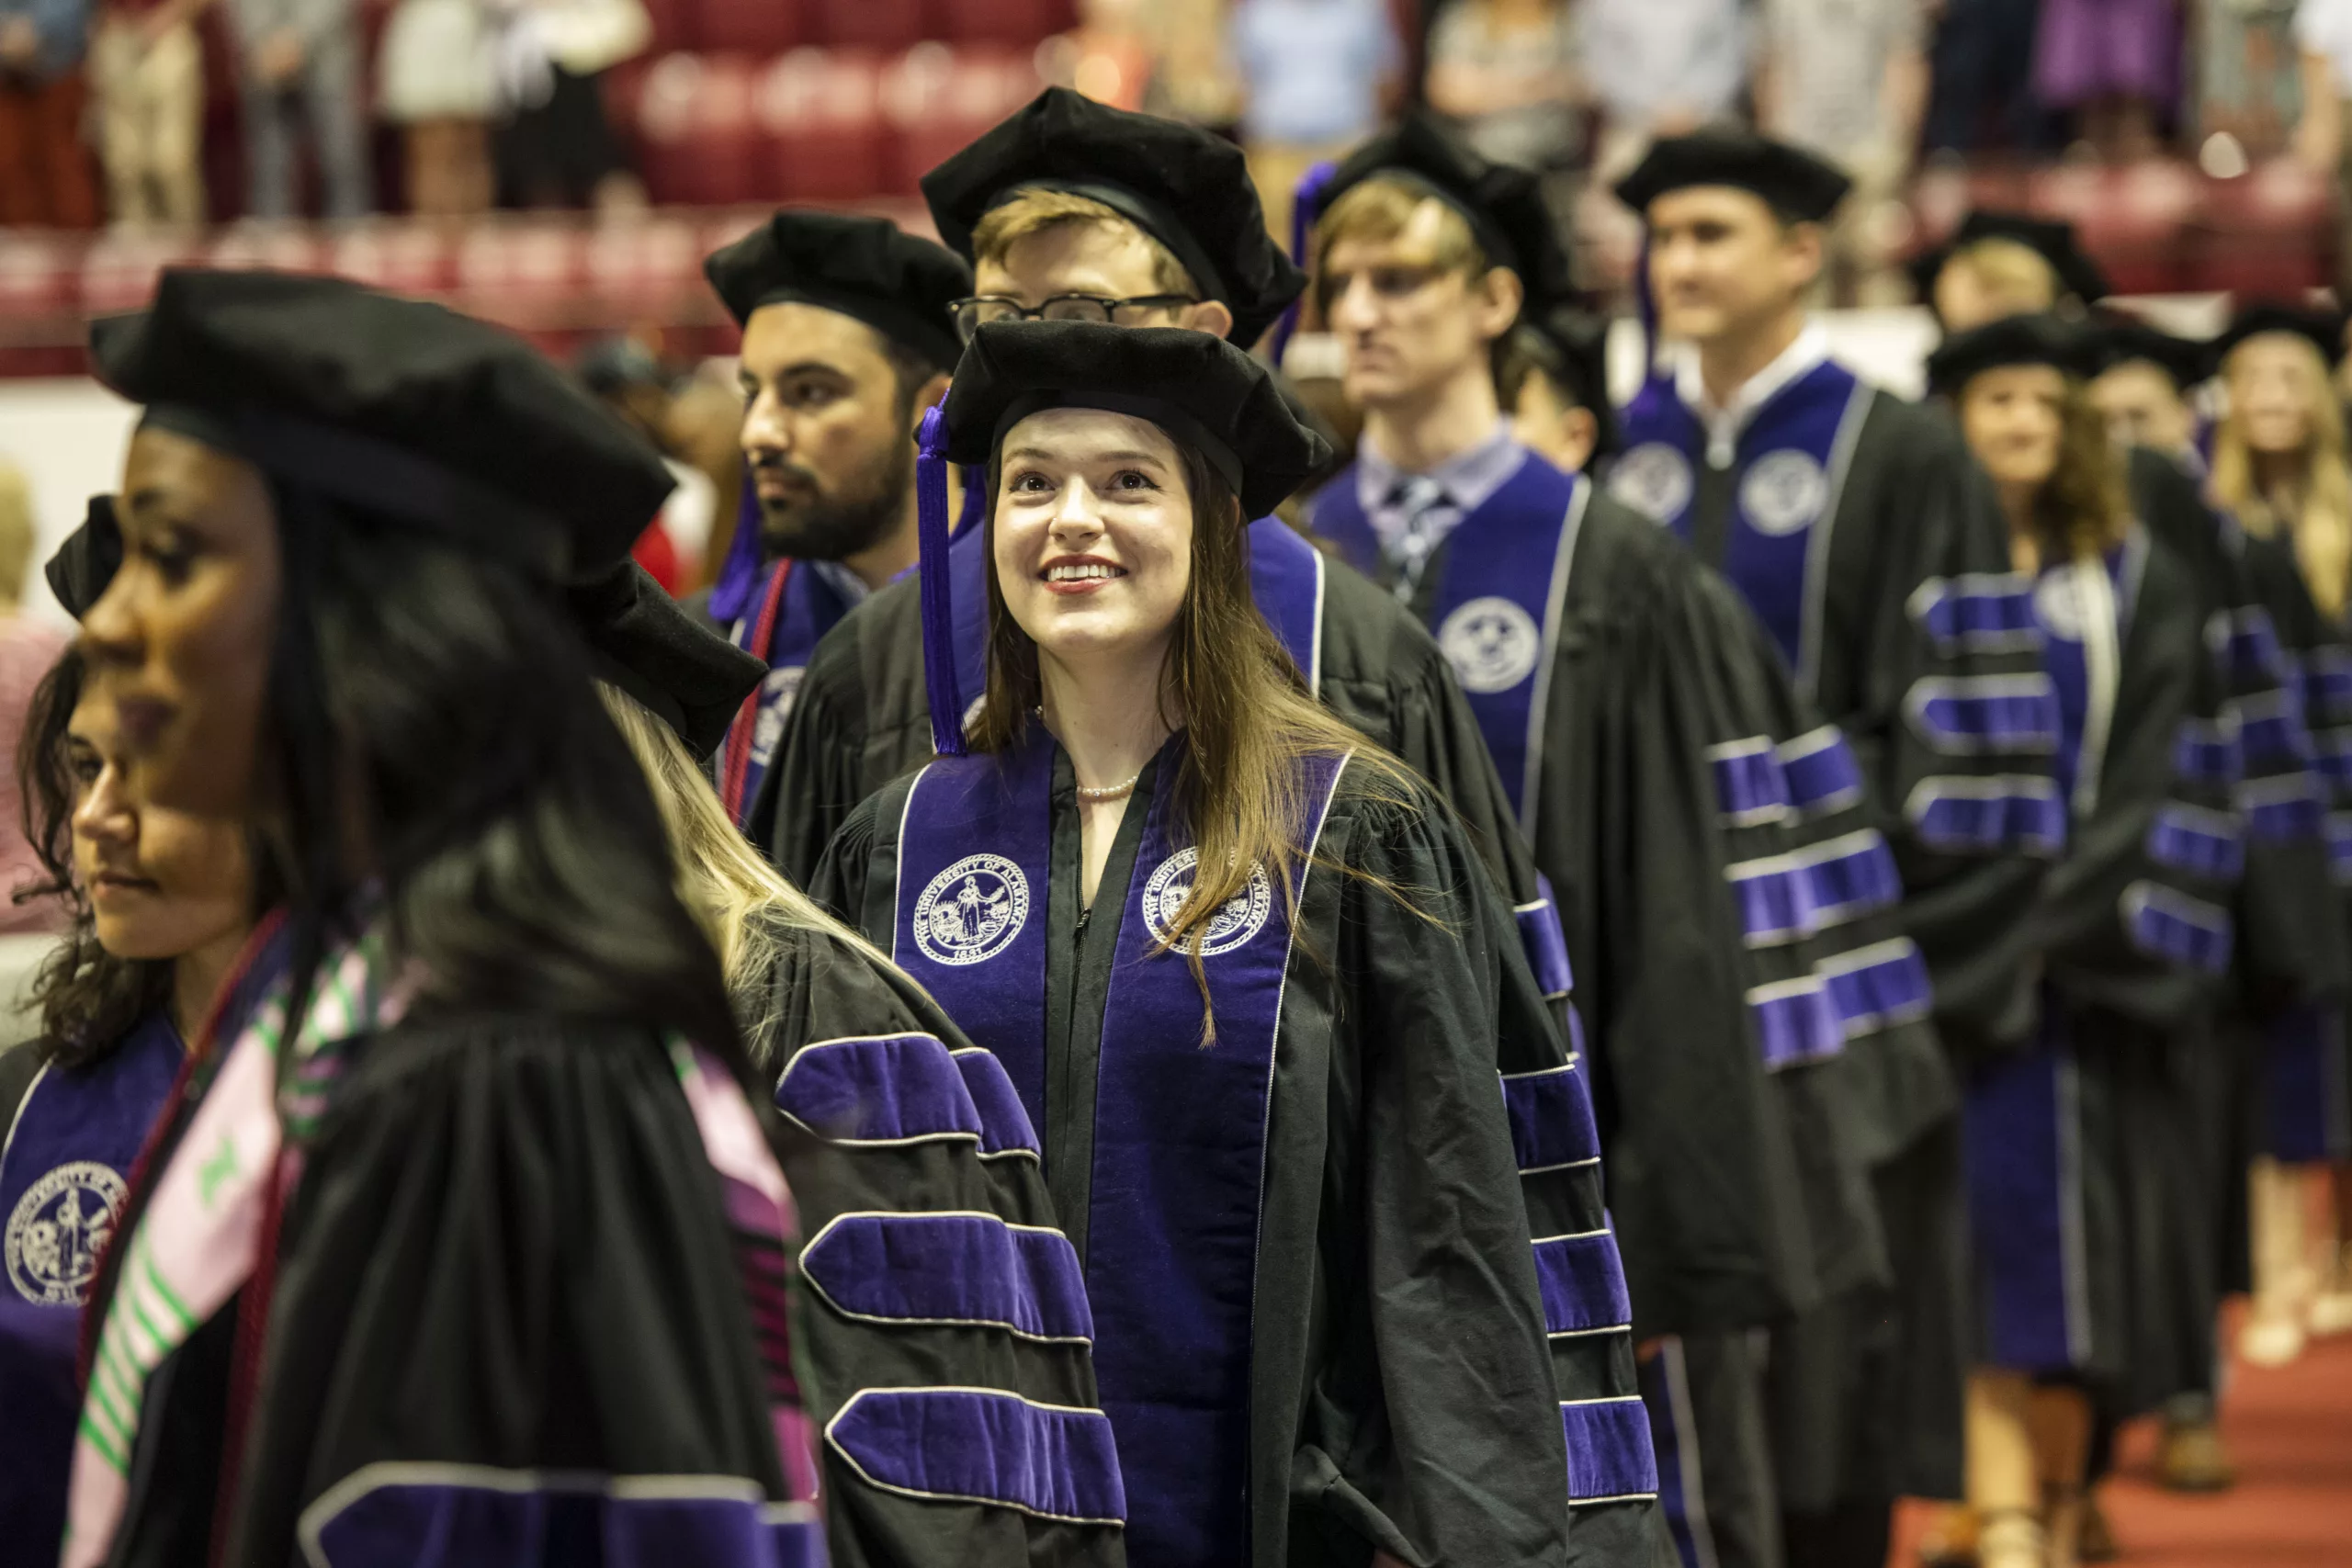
(1077, 575)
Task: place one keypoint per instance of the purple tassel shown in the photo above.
(1305, 206)
(739, 575)
(938, 598)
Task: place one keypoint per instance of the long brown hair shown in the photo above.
(2085, 505)
(1247, 718)
(2317, 516)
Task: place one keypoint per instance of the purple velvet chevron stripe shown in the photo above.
(1004, 1121)
(2282, 810)
(2204, 844)
(1854, 880)
(1547, 946)
(1775, 901)
(890, 1089)
(2338, 826)
(2208, 754)
(1551, 1119)
(1796, 1021)
(1823, 775)
(1873, 986)
(1583, 1284)
(400, 1523)
(2271, 730)
(2327, 685)
(2165, 923)
(1987, 611)
(1750, 786)
(2019, 1131)
(953, 1268)
(2250, 649)
(1964, 815)
(1610, 1456)
(1972, 715)
(979, 1445)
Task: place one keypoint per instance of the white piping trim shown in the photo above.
(30, 1089)
(1686, 1453)
(898, 858)
(1818, 540)
(1548, 649)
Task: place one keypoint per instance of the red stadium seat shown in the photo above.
(524, 273)
(676, 25)
(938, 100)
(405, 258)
(2129, 220)
(1004, 21)
(701, 143)
(118, 269)
(274, 247)
(2270, 232)
(37, 275)
(821, 111)
(868, 24)
(645, 268)
(754, 27)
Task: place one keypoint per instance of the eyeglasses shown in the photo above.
(1103, 310)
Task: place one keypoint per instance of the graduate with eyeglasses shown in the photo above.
(1302, 1102)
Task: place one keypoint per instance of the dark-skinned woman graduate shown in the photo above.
(160, 905)
(2066, 1138)
(463, 1234)
(1255, 990)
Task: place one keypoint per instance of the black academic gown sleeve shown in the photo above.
(507, 1259)
(1924, 511)
(827, 986)
(19, 1065)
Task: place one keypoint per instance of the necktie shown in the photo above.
(1426, 510)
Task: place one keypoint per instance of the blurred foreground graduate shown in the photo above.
(1723, 893)
(1254, 990)
(2090, 1215)
(941, 1308)
(1072, 208)
(460, 1232)
(1872, 549)
(160, 903)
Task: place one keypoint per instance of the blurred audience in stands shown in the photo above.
(44, 173)
(554, 145)
(693, 419)
(299, 74)
(2323, 38)
(1660, 67)
(147, 72)
(1318, 77)
(1109, 56)
(27, 647)
(2248, 86)
(1982, 98)
(2113, 65)
(434, 80)
(1505, 71)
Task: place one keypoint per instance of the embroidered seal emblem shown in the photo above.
(1653, 477)
(1238, 920)
(777, 693)
(58, 1230)
(1783, 492)
(1491, 643)
(2058, 602)
(971, 911)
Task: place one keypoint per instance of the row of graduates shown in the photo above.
(1853, 920)
(450, 1138)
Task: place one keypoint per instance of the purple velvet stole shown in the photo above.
(1286, 579)
(809, 608)
(1791, 457)
(63, 1179)
(2021, 1145)
(1180, 1129)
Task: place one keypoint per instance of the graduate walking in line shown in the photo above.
(1255, 991)
(1873, 552)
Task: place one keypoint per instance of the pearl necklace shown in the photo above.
(1109, 792)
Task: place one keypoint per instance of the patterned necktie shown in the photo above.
(1425, 508)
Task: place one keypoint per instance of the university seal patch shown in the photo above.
(1491, 643)
(971, 911)
(1238, 920)
(1783, 492)
(58, 1230)
(1653, 477)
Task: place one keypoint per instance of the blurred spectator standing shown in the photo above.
(44, 169)
(1318, 75)
(553, 144)
(2323, 138)
(1108, 56)
(147, 70)
(2114, 65)
(300, 62)
(1192, 76)
(1847, 79)
(1980, 97)
(657, 401)
(1660, 67)
(27, 647)
(2248, 80)
(1505, 72)
(434, 80)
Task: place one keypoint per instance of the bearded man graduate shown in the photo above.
(846, 342)
(1874, 552)
(1074, 210)
(1641, 720)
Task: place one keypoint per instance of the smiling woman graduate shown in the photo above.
(449, 1242)
(1253, 989)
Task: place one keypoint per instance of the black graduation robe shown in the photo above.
(514, 1308)
(1403, 1362)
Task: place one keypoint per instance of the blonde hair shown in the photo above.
(1037, 211)
(2018, 278)
(17, 534)
(1379, 210)
(742, 903)
(2316, 513)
